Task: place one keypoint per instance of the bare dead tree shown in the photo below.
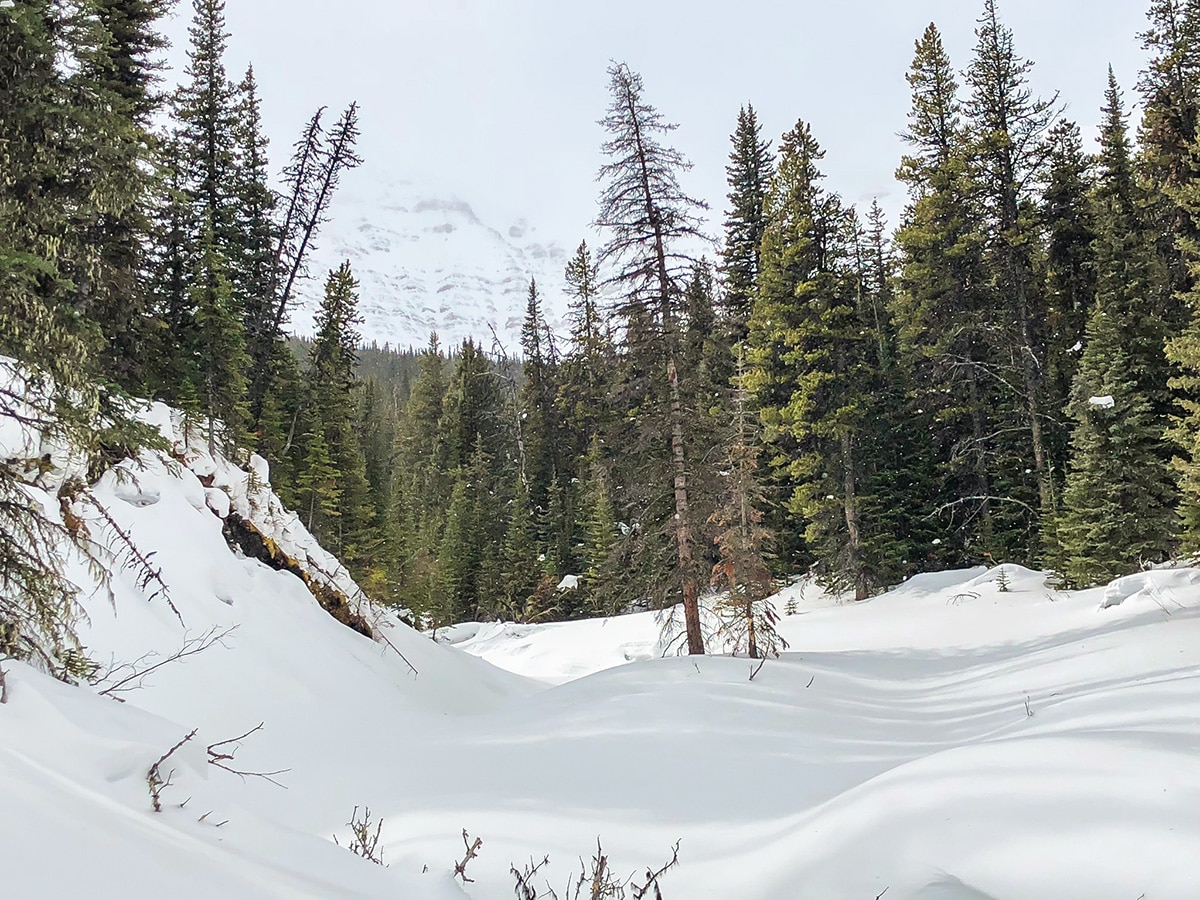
(3, 686)
(335, 156)
(154, 778)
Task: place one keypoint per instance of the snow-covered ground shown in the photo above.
(947, 740)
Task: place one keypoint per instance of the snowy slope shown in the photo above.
(73, 765)
(427, 262)
(947, 740)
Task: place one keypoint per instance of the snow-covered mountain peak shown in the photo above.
(427, 261)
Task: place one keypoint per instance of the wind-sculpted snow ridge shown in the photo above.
(427, 262)
(969, 735)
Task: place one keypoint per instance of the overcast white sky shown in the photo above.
(497, 100)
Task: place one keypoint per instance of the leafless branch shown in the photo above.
(133, 681)
(222, 753)
(525, 888)
(147, 574)
(652, 877)
(460, 868)
(754, 671)
(363, 841)
(154, 780)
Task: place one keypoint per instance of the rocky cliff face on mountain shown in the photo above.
(428, 262)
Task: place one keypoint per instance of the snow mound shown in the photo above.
(968, 736)
(74, 762)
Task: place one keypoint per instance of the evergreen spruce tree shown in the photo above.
(522, 562)
(206, 109)
(743, 542)
(1170, 92)
(474, 530)
(332, 383)
(219, 353)
(1008, 128)
(317, 483)
(813, 365)
(1119, 501)
(253, 255)
(207, 342)
(420, 489)
(584, 400)
(41, 138)
(1069, 221)
(940, 311)
(600, 531)
(749, 172)
(119, 78)
(1131, 281)
(542, 456)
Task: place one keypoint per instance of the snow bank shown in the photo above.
(963, 736)
(73, 763)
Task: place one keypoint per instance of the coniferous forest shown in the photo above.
(1009, 373)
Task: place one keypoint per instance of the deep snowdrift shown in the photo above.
(947, 740)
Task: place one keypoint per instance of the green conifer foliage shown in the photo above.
(1170, 92)
(1069, 219)
(333, 408)
(749, 172)
(1120, 497)
(743, 542)
(219, 352)
(1008, 126)
(600, 530)
(119, 79)
(649, 219)
(253, 256)
(813, 366)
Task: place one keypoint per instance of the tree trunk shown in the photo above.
(982, 485)
(853, 529)
(683, 528)
(1029, 372)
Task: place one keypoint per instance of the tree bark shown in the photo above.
(850, 504)
(683, 528)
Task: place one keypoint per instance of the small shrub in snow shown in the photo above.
(364, 839)
(595, 881)
(1002, 581)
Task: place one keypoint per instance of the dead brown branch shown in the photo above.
(363, 841)
(140, 562)
(154, 779)
(460, 868)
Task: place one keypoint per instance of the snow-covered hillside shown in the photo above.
(427, 262)
(948, 740)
